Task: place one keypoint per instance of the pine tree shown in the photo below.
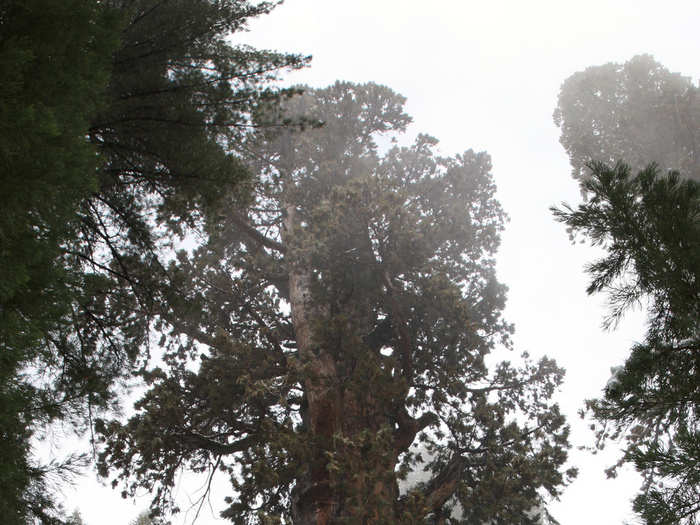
(341, 315)
(54, 64)
(119, 121)
(649, 226)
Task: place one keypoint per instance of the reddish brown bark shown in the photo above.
(345, 423)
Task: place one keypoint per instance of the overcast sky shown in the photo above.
(485, 76)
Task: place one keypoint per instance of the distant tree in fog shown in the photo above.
(638, 112)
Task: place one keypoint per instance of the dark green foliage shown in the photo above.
(119, 121)
(55, 60)
(649, 226)
(641, 113)
(674, 498)
(638, 112)
(342, 314)
(179, 105)
(55, 63)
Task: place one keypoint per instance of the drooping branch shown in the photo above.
(265, 330)
(207, 490)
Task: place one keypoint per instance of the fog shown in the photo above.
(486, 76)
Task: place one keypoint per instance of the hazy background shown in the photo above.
(486, 76)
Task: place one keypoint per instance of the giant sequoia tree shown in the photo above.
(343, 313)
(638, 112)
(119, 119)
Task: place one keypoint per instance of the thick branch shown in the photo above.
(195, 440)
(443, 486)
(254, 234)
(440, 489)
(408, 427)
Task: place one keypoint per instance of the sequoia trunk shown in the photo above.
(342, 482)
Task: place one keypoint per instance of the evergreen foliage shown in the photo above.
(119, 120)
(343, 313)
(637, 112)
(649, 225)
(55, 63)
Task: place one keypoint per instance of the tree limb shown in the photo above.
(409, 426)
(441, 488)
(196, 440)
(254, 234)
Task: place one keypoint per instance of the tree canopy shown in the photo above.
(55, 63)
(649, 225)
(637, 112)
(120, 119)
(340, 315)
(624, 126)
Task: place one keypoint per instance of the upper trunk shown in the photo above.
(342, 424)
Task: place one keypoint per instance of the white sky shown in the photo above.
(486, 76)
